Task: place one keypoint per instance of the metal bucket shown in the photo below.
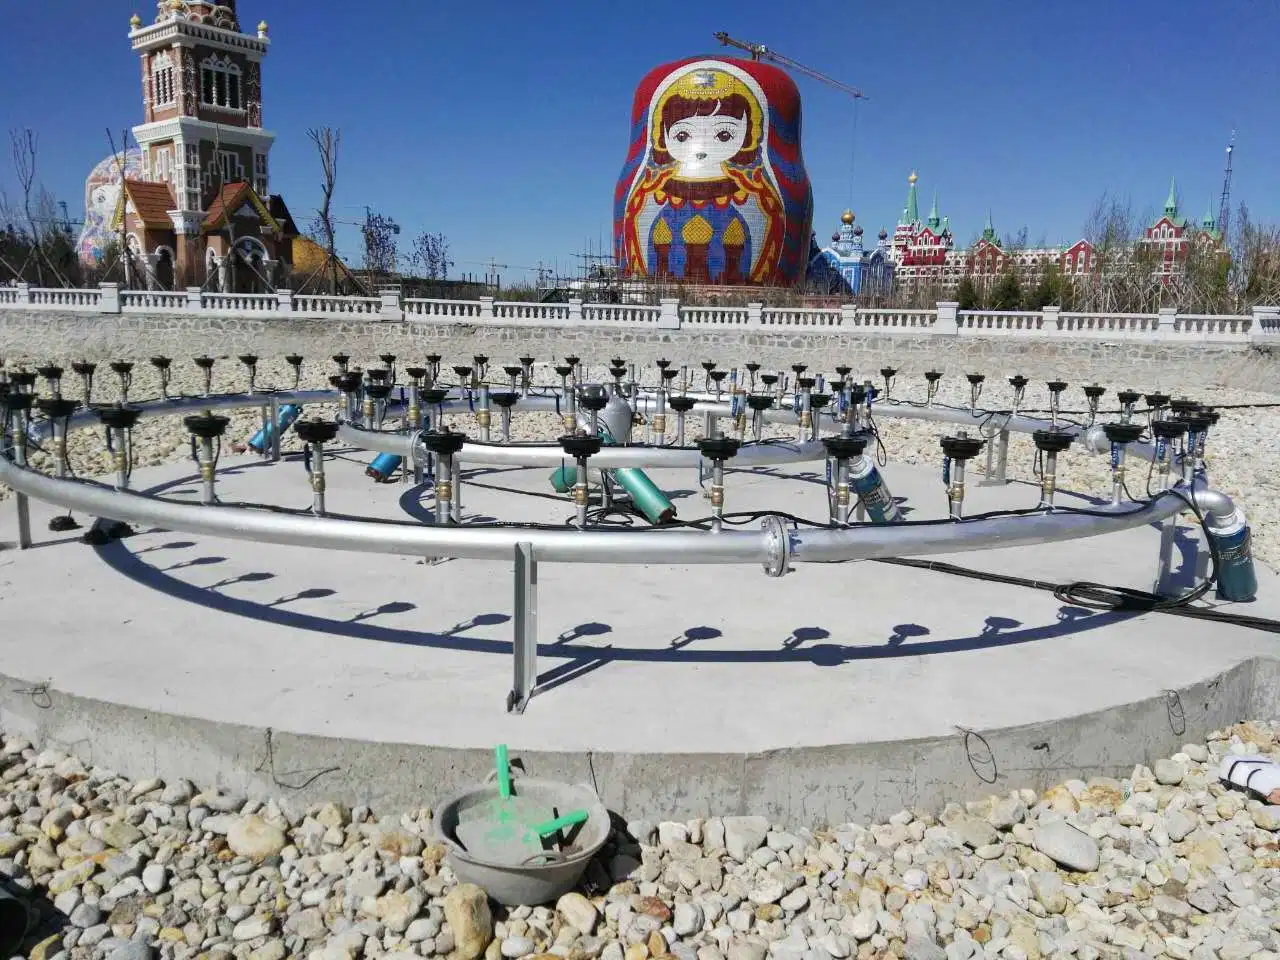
(15, 922)
(543, 877)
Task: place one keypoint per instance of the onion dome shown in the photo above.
(846, 217)
(857, 231)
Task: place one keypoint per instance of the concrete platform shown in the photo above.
(840, 691)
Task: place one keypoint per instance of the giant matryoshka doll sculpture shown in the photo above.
(714, 189)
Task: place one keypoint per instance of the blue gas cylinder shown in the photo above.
(383, 466)
(1237, 580)
(288, 413)
(870, 486)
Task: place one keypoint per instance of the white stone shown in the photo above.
(1067, 846)
(687, 919)
(1169, 772)
(744, 835)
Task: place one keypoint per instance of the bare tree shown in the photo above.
(328, 142)
(380, 245)
(124, 256)
(25, 147)
(430, 253)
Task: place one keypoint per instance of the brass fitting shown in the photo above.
(444, 491)
(806, 418)
(570, 422)
(842, 494)
(660, 424)
(317, 482)
(580, 495)
(717, 495)
(206, 471)
(484, 418)
(368, 408)
(1048, 483)
(121, 461)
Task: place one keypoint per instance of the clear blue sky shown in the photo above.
(504, 125)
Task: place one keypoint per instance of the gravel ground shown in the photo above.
(1165, 863)
(1243, 453)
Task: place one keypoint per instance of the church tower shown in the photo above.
(202, 105)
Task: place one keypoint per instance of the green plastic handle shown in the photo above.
(504, 771)
(559, 823)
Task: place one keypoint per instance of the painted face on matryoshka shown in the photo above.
(700, 145)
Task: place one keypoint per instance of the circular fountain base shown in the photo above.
(838, 691)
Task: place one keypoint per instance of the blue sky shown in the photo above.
(503, 125)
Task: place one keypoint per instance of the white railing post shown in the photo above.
(575, 310)
(1266, 324)
(755, 314)
(486, 308)
(669, 313)
(1168, 318)
(948, 310)
(1049, 317)
(389, 307)
(109, 302)
(193, 298)
(284, 301)
(848, 315)
(24, 292)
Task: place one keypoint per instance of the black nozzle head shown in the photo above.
(379, 390)
(759, 401)
(961, 448)
(564, 369)
(387, 358)
(378, 376)
(1213, 415)
(1183, 405)
(1018, 382)
(717, 376)
(580, 446)
(479, 359)
(618, 361)
(819, 400)
(434, 396)
(843, 371)
(663, 363)
(445, 443)
(160, 363)
(205, 363)
(752, 367)
(805, 383)
(527, 361)
(206, 426)
(857, 394)
(1056, 386)
(1122, 432)
(335, 381)
(504, 399)
(57, 408)
(618, 372)
(119, 418)
(1093, 391)
(17, 401)
(572, 360)
(668, 375)
(593, 401)
(1168, 429)
(83, 368)
(1197, 421)
(433, 358)
(975, 378)
(1128, 396)
(718, 448)
(845, 448)
(768, 379)
(50, 372)
(887, 372)
(340, 358)
(316, 430)
(416, 373)
(511, 370)
(1156, 400)
(117, 366)
(462, 372)
(294, 360)
(933, 376)
(681, 404)
(708, 365)
(248, 359)
(799, 368)
(1052, 441)
(350, 381)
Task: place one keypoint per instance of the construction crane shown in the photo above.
(759, 51)
(1224, 206)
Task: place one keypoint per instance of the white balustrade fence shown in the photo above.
(1261, 326)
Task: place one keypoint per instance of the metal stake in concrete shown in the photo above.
(525, 640)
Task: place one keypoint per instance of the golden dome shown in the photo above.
(913, 178)
(175, 5)
(262, 29)
(135, 21)
(846, 217)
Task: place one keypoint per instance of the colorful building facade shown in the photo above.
(199, 211)
(845, 267)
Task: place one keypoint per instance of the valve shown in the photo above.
(1166, 433)
(444, 445)
(119, 421)
(206, 428)
(1121, 435)
(955, 452)
(1050, 443)
(315, 433)
(717, 450)
(581, 446)
(841, 449)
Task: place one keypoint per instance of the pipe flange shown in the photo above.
(777, 545)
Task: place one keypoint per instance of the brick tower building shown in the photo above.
(202, 214)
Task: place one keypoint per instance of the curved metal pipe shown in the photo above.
(551, 455)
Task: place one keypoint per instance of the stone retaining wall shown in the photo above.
(42, 334)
